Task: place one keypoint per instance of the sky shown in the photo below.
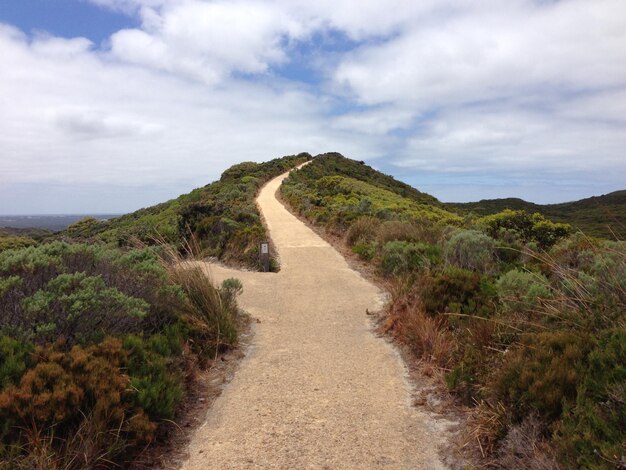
(114, 105)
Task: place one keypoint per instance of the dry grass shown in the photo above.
(87, 447)
(525, 447)
(485, 426)
(429, 337)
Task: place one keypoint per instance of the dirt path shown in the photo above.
(317, 388)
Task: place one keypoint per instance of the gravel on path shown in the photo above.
(317, 389)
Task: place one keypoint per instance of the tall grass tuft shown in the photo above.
(213, 308)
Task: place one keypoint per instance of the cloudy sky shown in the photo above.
(113, 105)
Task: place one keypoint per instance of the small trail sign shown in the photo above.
(265, 256)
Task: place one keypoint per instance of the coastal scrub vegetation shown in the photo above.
(524, 317)
(97, 349)
(219, 220)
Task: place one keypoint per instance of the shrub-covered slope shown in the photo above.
(525, 319)
(99, 341)
(97, 348)
(222, 217)
(336, 190)
(599, 216)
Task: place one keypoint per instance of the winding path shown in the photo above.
(317, 389)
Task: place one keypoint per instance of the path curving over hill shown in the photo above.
(317, 388)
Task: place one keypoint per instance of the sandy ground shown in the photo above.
(317, 389)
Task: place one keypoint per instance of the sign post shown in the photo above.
(265, 256)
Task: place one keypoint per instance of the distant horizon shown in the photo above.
(122, 212)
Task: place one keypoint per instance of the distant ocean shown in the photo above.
(48, 222)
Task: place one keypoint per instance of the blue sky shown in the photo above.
(113, 105)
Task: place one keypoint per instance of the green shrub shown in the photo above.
(596, 422)
(365, 250)
(15, 359)
(83, 293)
(521, 291)
(543, 373)
(82, 310)
(472, 250)
(12, 243)
(230, 289)
(527, 227)
(84, 228)
(457, 290)
(156, 390)
(401, 257)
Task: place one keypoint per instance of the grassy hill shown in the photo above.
(600, 216)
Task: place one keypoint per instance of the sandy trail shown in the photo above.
(317, 388)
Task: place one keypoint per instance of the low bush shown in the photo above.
(522, 291)
(457, 290)
(543, 373)
(12, 242)
(472, 250)
(594, 425)
(96, 347)
(400, 257)
(527, 227)
(364, 230)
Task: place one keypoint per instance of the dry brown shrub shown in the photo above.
(428, 337)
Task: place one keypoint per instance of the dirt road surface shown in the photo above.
(317, 389)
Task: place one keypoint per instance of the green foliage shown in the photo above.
(71, 305)
(457, 290)
(14, 360)
(401, 257)
(336, 191)
(365, 250)
(522, 291)
(82, 293)
(596, 422)
(472, 250)
(11, 243)
(83, 228)
(157, 389)
(598, 216)
(221, 218)
(527, 227)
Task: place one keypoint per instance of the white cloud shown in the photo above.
(515, 91)
(84, 118)
(489, 53)
(208, 41)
